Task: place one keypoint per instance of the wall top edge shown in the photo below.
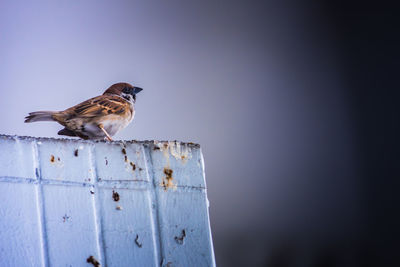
(143, 142)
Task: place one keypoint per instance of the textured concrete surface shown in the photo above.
(123, 203)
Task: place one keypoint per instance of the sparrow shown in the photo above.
(97, 118)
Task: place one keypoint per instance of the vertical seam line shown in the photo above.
(97, 206)
(41, 205)
(156, 214)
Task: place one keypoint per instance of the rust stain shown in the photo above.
(93, 261)
(167, 180)
(115, 196)
(168, 172)
(52, 158)
(127, 160)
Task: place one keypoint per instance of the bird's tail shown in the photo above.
(40, 116)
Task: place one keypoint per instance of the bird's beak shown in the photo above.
(136, 90)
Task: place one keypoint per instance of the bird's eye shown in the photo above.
(126, 90)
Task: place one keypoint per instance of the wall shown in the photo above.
(75, 203)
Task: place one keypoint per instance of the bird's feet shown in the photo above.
(105, 132)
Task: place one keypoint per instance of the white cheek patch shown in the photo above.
(128, 97)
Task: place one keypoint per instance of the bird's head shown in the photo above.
(124, 90)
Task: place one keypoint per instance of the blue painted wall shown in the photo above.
(123, 203)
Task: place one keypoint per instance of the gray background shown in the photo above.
(258, 85)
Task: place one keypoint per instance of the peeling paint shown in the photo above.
(181, 239)
(157, 145)
(180, 152)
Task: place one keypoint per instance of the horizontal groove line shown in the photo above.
(63, 182)
(11, 179)
(127, 181)
(125, 185)
(182, 188)
(129, 184)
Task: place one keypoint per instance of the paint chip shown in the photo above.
(137, 241)
(180, 239)
(133, 166)
(115, 196)
(93, 261)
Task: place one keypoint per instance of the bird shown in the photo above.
(100, 117)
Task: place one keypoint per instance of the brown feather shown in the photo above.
(117, 88)
(99, 106)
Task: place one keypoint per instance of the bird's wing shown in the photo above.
(98, 106)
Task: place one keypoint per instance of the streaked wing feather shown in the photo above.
(100, 106)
